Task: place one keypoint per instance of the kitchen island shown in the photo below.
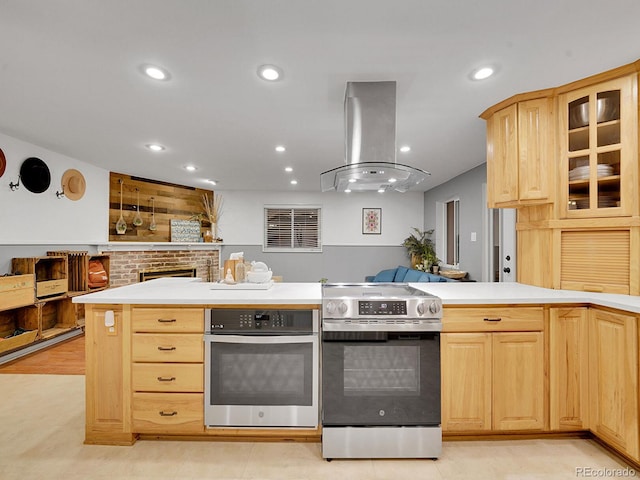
(516, 359)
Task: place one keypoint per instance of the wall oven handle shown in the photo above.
(265, 339)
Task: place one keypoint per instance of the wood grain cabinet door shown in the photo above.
(569, 368)
(518, 381)
(535, 165)
(466, 381)
(613, 381)
(502, 156)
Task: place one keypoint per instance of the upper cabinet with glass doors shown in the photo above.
(598, 145)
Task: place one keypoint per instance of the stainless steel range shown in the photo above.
(380, 371)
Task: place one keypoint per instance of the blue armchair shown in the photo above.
(404, 274)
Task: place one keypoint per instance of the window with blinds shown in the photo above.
(289, 229)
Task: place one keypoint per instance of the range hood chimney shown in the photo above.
(370, 144)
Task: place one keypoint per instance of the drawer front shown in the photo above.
(490, 319)
(168, 377)
(178, 320)
(51, 287)
(171, 413)
(168, 347)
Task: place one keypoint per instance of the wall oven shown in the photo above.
(380, 372)
(262, 368)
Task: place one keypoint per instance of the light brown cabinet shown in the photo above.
(598, 139)
(493, 373)
(568, 368)
(108, 376)
(586, 234)
(519, 154)
(167, 351)
(613, 379)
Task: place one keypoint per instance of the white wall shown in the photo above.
(468, 188)
(242, 221)
(27, 218)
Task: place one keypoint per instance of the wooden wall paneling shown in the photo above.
(171, 202)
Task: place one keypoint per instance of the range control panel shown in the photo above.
(260, 321)
(391, 307)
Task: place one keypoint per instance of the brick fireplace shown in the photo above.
(128, 262)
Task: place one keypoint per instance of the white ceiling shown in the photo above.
(70, 78)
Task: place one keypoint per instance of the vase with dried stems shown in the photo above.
(213, 211)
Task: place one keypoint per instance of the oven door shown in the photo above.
(380, 379)
(261, 380)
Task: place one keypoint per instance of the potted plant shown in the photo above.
(421, 249)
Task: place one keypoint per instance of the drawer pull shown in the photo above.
(493, 319)
(167, 320)
(166, 379)
(168, 414)
(166, 349)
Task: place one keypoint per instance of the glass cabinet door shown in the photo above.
(597, 148)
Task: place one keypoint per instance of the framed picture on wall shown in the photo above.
(371, 221)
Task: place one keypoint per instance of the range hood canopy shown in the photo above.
(370, 144)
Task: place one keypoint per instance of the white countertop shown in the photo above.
(190, 291)
(470, 293)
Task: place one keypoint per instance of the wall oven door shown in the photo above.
(261, 380)
(374, 378)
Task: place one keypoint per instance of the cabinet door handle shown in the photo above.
(166, 379)
(593, 288)
(167, 320)
(493, 319)
(168, 414)
(163, 349)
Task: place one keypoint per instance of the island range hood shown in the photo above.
(370, 144)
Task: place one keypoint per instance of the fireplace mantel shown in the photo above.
(155, 246)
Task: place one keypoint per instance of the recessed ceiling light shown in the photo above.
(405, 148)
(280, 148)
(190, 168)
(352, 180)
(482, 73)
(294, 182)
(212, 182)
(348, 190)
(381, 190)
(393, 180)
(155, 147)
(288, 169)
(155, 72)
(269, 72)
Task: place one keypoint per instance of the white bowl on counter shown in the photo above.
(262, 276)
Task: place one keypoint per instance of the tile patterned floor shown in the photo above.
(42, 430)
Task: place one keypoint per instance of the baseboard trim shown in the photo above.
(40, 345)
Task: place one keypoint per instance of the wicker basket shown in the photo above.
(454, 274)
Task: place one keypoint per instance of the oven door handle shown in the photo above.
(261, 339)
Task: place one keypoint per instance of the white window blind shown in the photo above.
(292, 229)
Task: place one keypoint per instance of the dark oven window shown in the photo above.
(381, 370)
(390, 381)
(253, 374)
